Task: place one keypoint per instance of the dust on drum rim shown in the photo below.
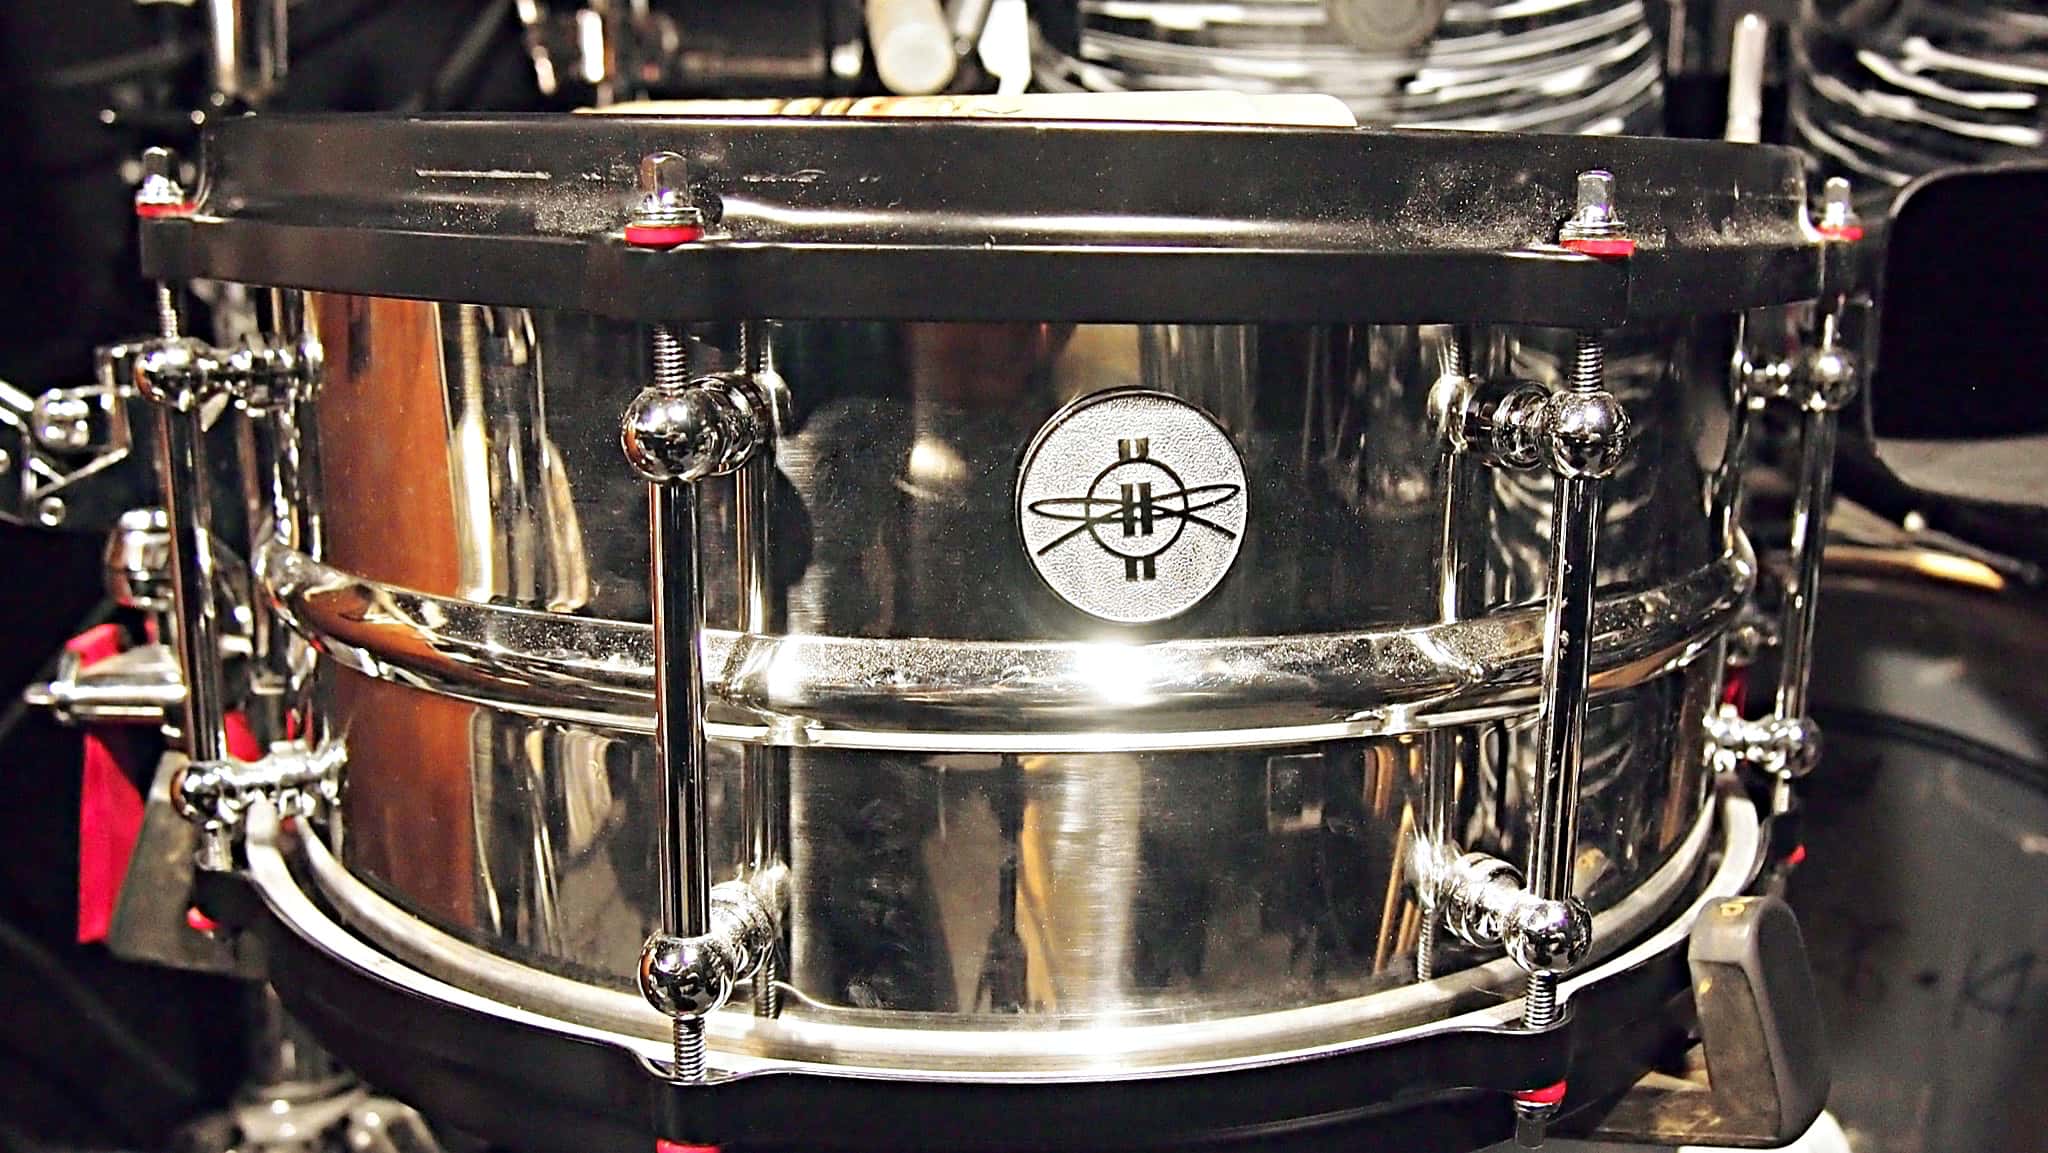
(1133, 451)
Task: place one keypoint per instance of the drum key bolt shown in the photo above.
(214, 795)
(1594, 228)
(1838, 219)
(666, 216)
(676, 432)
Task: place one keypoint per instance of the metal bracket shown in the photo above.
(141, 686)
(215, 794)
(1776, 746)
(184, 374)
(68, 456)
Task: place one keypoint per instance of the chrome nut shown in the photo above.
(743, 919)
(202, 792)
(1549, 936)
(1586, 434)
(176, 373)
(1479, 886)
(1830, 378)
(684, 976)
(680, 434)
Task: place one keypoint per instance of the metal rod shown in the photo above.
(1567, 662)
(763, 803)
(1809, 541)
(685, 892)
(1466, 489)
(182, 470)
(1567, 652)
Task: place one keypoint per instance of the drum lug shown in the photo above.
(676, 432)
(213, 795)
(1774, 746)
(1483, 902)
(1817, 382)
(188, 379)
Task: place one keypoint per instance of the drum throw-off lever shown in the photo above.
(676, 432)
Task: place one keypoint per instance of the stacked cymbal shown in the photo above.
(1587, 66)
(1885, 92)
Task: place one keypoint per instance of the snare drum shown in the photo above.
(1124, 595)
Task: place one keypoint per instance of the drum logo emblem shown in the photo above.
(1132, 505)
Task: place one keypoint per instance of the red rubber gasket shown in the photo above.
(662, 236)
(1604, 247)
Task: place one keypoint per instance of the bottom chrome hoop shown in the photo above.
(469, 1057)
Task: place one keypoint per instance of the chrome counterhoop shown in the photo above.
(923, 694)
(423, 961)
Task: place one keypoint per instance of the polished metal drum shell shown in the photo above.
(1000, 812)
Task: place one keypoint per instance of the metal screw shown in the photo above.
(167, 311)
(159, 191)
(1838, 219)
(1594, 228)
(666, 215)
(688, 1050)
(50, 511)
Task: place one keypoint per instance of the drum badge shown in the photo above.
(1132, 505)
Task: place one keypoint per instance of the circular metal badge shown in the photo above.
(1132, 505)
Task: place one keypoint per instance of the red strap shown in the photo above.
(109, 806)
(242, 744)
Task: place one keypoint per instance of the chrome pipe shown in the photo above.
(182, 467)
(678, 599)
(764, 802)
(1567, 652)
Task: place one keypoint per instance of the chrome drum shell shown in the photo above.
(1004, 819)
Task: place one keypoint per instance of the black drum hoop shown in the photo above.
(910, 219)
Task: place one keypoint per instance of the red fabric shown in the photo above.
(1735, 688)
(109, 807)
(241, 742)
